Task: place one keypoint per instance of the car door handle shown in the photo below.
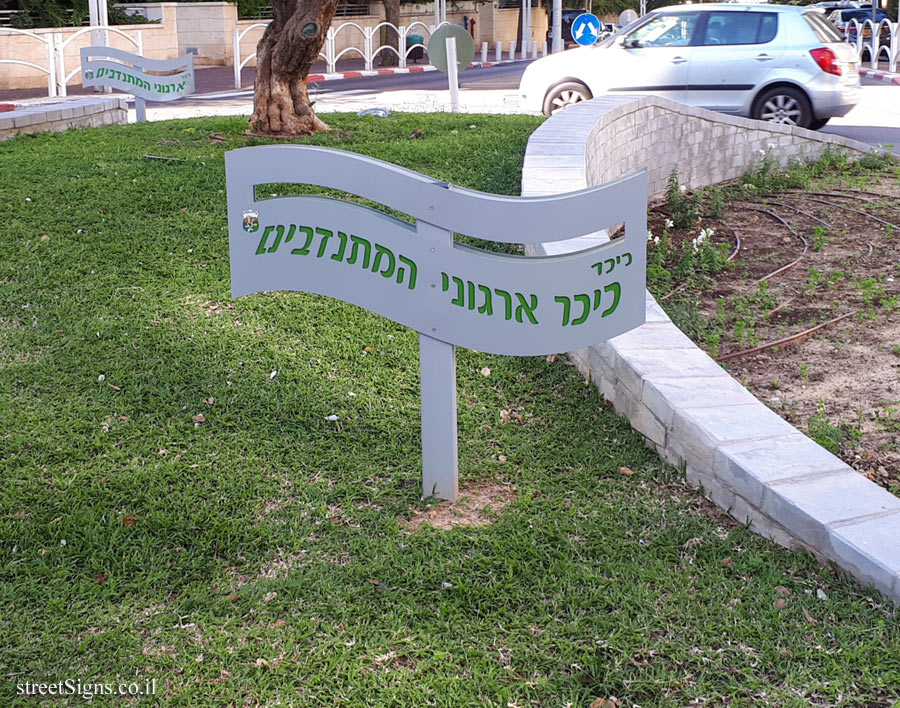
(764, 57)
(678, 60)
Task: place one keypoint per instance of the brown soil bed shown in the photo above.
(840, 383)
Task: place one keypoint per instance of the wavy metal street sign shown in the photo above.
(147, 79)
(418, 275)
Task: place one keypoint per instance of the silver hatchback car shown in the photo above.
(779, 63)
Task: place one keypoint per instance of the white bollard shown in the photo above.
(524, 51)
(499, 52)
(512, 50)
(543, 49)
(484, 51)
(534, 50)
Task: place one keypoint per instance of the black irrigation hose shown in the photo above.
(855, 211)
(737, 245)
(793, 208)
(794, 233)
(831, 194)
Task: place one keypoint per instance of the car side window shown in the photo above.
(665, 30)
(740, 28)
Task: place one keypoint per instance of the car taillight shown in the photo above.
(826, 60)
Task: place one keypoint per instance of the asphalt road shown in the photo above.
(501, 76)
(876, 120)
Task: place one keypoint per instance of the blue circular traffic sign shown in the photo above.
(586, 29)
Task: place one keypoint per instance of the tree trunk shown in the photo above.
(392, 15)
(285, 53)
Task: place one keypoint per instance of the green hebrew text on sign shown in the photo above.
(410, 273)
(149, 79)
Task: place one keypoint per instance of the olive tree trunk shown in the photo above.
(285, 53)
(392, 15)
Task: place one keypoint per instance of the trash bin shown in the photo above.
(418, 52)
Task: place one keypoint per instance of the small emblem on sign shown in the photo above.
(251, 221)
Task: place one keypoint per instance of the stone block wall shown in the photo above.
(704, 147)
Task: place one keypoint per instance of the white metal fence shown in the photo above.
(369, 50)
(876, 41)
(370, 47)
(55, 44)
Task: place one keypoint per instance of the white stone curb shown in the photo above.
(62, 115)
(746, 458)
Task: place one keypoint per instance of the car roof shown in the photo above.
(736, 7)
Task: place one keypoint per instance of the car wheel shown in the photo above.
(784, 104)
(817, 123)
(565, 95)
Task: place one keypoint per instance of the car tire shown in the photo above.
(565, 95)
(784, 104)
(817, 123)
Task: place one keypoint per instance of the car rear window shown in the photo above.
(824, 30)
(740, 28)
(863, 15)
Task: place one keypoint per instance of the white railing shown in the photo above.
(49, 41)
(137, 40)
(872, 45)
(369, 50)
(55, 46)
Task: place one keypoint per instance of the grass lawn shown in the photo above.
(259, 555)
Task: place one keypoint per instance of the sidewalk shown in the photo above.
(220, 79)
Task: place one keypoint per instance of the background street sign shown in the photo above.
(437, 47)
(586, 29)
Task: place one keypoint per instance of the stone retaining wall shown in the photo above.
(705, 147)
(62, 115)
(746, 458)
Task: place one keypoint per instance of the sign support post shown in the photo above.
(437, 393)
(440, 457)
(452, 74)
(140, 109)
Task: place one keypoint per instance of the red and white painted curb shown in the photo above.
(315, 78)
(884, 76)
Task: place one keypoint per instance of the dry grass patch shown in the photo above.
(478, 505)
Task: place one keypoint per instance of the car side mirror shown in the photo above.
(629, 42)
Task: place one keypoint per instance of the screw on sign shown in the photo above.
(417, 275)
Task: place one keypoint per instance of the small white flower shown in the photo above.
(649, 235)
(656, 240)
(771, 146)
(63, 542)
(762, 152)
(669, 223)
(101, 378)
(351, 394)
(332, 417)
(273, 375)
(683, 189)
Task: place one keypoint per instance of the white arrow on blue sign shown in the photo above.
(586, 29)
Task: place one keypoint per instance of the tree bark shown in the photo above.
(285, 54)
(392, 15)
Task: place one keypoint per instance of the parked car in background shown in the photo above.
(779, 63)
(842, 18)
(568, 16)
